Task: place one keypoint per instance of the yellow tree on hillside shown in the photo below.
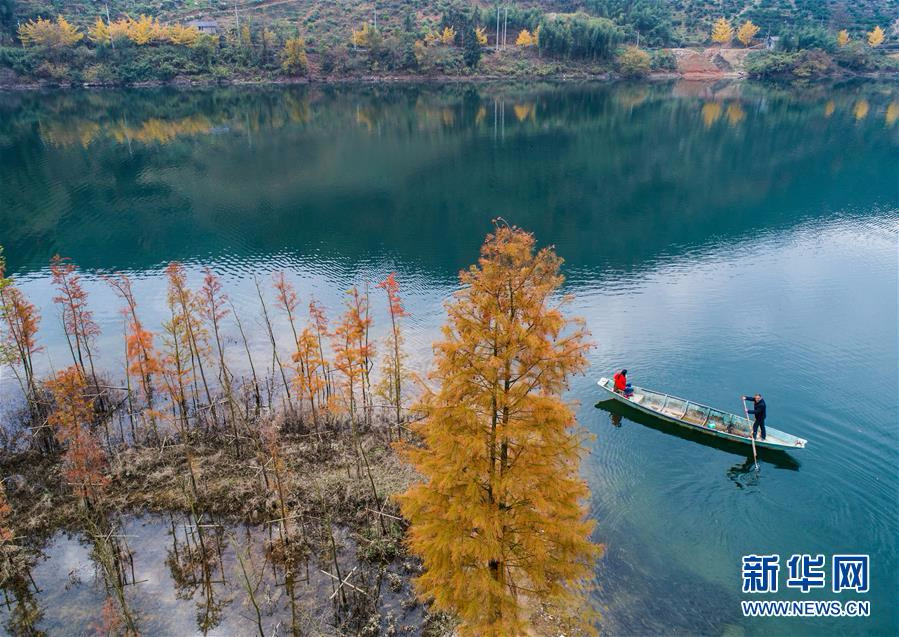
(481, 34)
(182, 35)
(747, 32)
(144, 30)
(99, 33)
(119, 29)
(875, 37)
(499, 513)
(722, 32)
(525, 38)
(294, 59)
(842, 38)
(448, 35)
(363, 36)
(51, 34)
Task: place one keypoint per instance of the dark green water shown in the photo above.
(719, 240)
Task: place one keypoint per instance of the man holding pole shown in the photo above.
(759, 411)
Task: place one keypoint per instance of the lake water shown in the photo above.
(719, 240)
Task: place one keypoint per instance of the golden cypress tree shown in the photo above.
(448, 36)
(294, 59)
(499, 512)
(525, 38)
(722, 32)
(40, 32)
(99, 33)
(181, 35)
(842, 38)
(747, 32)
(875, 37)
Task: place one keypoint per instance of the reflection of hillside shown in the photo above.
(618, 174)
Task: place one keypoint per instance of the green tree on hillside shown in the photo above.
(471, 54)
(7, 14)
(646, 20)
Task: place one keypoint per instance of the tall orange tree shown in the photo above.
(319, 321)
(351, 358)
(142, 362)
(189, 308)
(70, 419)
(499, 512)
(309, 380)
(18, 346)
(78, 321)
(213, 308)
(391, 386)
(176, 364)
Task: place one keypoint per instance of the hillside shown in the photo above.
(57, 42)
(677, 21)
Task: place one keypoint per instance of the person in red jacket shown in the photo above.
(621, 384)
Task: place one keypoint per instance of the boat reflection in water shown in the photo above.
(776, 457)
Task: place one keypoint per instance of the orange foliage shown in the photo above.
(22, 320)
(190, 308)
(212, 298)
(5, 513)
(310, 378)
(187, 342)
(499, 514)
(176, 364)
(142, 360)
(78, 320)
(319, 319)
(392, 288)
(70, 419)
(286, 299)
(286, 295)
(352, 351)
(110, 620)
(392, 383)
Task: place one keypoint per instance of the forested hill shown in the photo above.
(664, 22)
(128, 42)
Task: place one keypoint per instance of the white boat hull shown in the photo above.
(716, 423)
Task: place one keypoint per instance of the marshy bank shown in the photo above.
(273, 490)
(170, 548)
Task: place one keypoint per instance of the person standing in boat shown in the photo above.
(621, 384)
(759, 410)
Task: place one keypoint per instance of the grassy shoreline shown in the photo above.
(10, 81)
(15, 86)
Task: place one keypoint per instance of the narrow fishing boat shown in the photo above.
(702, 418)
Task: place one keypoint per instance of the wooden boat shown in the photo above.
(702, 418)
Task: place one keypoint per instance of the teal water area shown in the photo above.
(720, 239)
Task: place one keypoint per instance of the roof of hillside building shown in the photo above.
(203, 23)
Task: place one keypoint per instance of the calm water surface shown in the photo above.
(719, 240)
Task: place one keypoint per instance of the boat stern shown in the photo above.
(608, 386)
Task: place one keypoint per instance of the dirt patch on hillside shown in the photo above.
(711, 63)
